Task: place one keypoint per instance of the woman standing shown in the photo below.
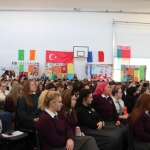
(139, 122)
(54, 132)
(104, 106)
(92, 125)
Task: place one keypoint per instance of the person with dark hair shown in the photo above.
(104, 106)
(69, 115)
(146, 85)
(144, 90)
(39, 89)
(124, 92)
(50, 87)
(60, 88)
(119, 104)
(23, 76)
(75, 77)
(130, 99)
(54, 132)
(92, 125)
(139, 123)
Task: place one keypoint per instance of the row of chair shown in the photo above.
(7, 128)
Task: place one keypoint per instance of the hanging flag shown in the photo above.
(100, 56)
(20, 54)
(59, 57)
(32, 54)
(90, 57)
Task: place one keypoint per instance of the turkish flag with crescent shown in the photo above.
(59, 57)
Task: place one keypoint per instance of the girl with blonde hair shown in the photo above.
(54, 132)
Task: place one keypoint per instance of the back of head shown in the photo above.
(26, 92)
(100, 88)
(49, 86)
(66, 98)
(131, 90)
(46, 97)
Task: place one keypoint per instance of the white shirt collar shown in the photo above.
(115, 99)
(51, 113)
(104, 96)
(147, 112)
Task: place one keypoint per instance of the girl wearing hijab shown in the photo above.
(104, 106)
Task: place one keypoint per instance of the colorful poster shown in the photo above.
(29, 68)
(60, 69)
(133, 72)
(98, 71)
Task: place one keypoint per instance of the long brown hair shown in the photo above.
(142, 105)
(26, 92)
(15, 93)
(66, 100)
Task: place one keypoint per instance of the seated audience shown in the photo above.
(50, 87)
(139, 123)
(11, 101)
(92, 125)
(119, 104)
(28, 111)
(60, 87)
(130, 99)
(144, 90)
(54, 132)
(3, 94)
(39, 89)
(104, 106)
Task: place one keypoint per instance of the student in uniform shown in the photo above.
(119, 104)
(3, 94)
(28, 111)
(92, 125)
(54, 132)
(11, 101)
(139, 123)
(69, 115)
(104, 106)
(130, 99)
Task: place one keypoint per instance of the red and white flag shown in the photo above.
(59, 57)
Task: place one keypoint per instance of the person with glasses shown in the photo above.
(119, 104)
(54, 132)
(3, 94)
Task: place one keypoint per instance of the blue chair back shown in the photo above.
(6, 120)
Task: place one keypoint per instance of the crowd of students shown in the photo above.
(111, 115)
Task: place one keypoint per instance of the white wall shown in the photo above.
(63, 30)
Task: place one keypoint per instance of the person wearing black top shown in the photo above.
(92, 125)
(28, 111)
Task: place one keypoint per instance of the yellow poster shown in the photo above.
(70, 68)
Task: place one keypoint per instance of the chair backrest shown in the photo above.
(38, 141)
(6, 120)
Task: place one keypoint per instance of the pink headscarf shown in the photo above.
(100, 88)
